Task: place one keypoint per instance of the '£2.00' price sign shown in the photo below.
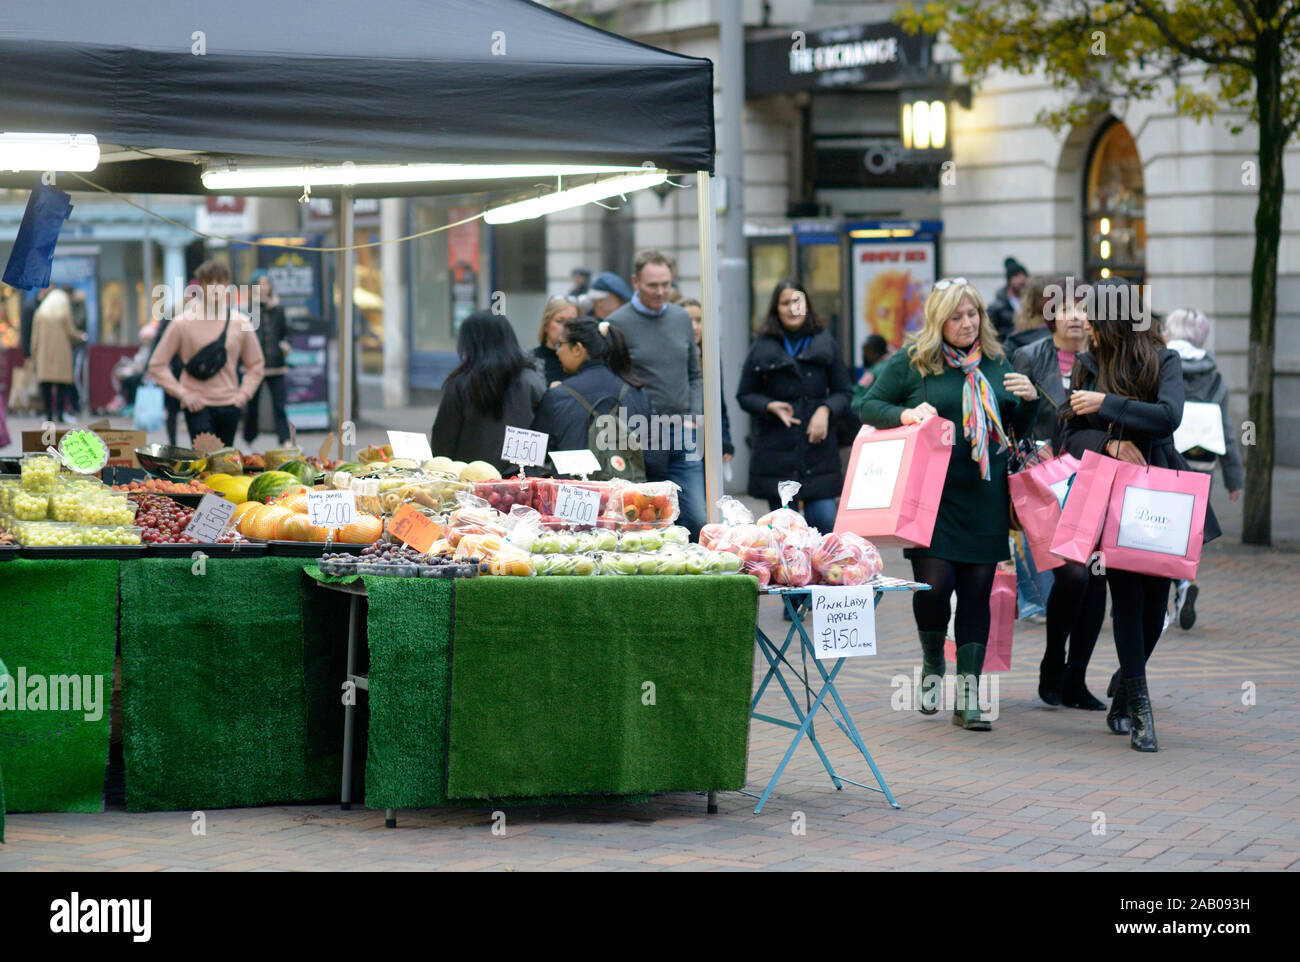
(577, 505)
(331, 509)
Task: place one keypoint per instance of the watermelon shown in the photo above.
(301, 470)
(272, 484)
(351, 467)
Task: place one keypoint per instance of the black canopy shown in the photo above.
(451, 81)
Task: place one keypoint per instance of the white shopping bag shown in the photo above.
(1202, 427)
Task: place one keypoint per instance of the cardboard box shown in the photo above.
(121, 443)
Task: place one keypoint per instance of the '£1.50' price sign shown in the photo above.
(577, 505)
(524, 447)
(331, 509)
(844, 621)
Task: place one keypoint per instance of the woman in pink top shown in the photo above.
(212, 405)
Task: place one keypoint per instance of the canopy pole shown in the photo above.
(710, 345)
(347, 231)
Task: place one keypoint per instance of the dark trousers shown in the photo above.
(1076, 608)
(173, 408)
(222, 420)
(274, 383)
(1140, 602)
(56, 397)
(974, 586)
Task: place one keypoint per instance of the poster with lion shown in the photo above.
(890, 282)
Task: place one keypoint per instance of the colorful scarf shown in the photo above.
(976, 417)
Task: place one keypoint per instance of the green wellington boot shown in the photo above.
(930, 695)
(966, 706)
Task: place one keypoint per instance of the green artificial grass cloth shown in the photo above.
(408, 626)
(215, 703)
(58, 620)
(549, 685)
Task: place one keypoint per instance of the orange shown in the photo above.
(295, 502)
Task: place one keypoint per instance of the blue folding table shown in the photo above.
(797, 601)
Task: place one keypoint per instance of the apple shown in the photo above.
(583, 566)
(651, 540)
(676, 534)
(630, 541)
(647, 564)
(584, 541)
(603, 540)
(696, 564)
(833, 575)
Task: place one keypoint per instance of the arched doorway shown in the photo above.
(1114, 208)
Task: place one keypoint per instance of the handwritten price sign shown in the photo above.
(415, 529)
(844, 621)
(83, 451)
(581, 462)
(524, 447)
(331, 509)
(577, 505)
(210, 518)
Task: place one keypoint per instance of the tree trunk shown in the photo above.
(1257, 525)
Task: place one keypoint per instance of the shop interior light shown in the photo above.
(348, 174)
(573, 197)
(921, 125)
(938, 124)
(907, 126)
(1105, 250)
(1105, 225)
(870, 232)
(925, 125)
(901, 233)
(48, 152)
(1105, 273)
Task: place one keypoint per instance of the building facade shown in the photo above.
(834, 196)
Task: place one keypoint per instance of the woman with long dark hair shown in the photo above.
(795, 385)
(494, 386)
(1076, 603)
(954, 368)
(1127, 398)
(597, 378)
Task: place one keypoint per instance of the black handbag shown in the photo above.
(210, 358)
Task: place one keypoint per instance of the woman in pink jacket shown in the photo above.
(209, 388)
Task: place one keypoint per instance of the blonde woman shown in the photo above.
(954, 368)
(557, 311)
(53, 339)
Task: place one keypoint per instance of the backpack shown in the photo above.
(624, 463)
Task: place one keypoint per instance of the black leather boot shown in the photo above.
(1142, 738)
(1117, 719)
(966, 708)
(1075, 694)
(1051, 680)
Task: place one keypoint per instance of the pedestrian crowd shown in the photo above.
(1030, 366)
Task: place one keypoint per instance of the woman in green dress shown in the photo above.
(954, 368)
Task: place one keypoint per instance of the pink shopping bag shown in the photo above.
(1084, 511)
(894, 482)
(1155, 524)
(1002, 619)
(1037, 494)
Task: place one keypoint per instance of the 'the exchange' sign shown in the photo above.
(844, 621)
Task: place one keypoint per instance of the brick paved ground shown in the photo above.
(1220, 795)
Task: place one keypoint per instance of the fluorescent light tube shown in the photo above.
(48, 152)
(348, 174)
(574, 197)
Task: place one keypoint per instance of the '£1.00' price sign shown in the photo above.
(331, 509)
(577, 505)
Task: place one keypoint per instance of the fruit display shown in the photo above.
(397, 561)
(226, 461)
(301, 470)
(253, 462)
(6, 539)
(649, 504)
(231, 487)
(272, 484)
(845, 559)
(479, 471)
(504, 495)
(106, 510)
(29, 506)
(55, 534)
(163, 521)
(163, 486)
(39, 472)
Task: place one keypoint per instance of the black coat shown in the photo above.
(273, 328)
(463, 432)
(818, 376)
(1150, 425)
(1003, 314)
(1019, 340)
(565, 420)
(548, 363)
(1038, 363)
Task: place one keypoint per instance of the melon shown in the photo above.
(301, 470)
(479, 471)
(441, 465)
(271, 484)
